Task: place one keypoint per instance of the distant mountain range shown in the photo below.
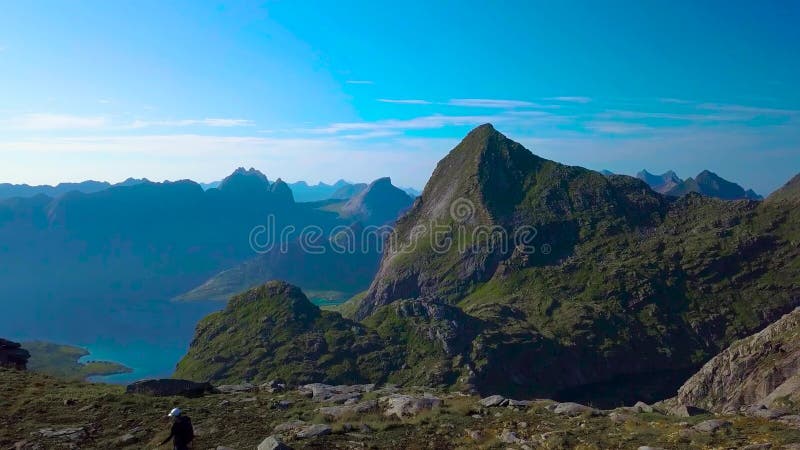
(142, 240)
(302, 191)
(705, 183)
(330, 273)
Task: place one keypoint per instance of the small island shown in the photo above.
(63, 361)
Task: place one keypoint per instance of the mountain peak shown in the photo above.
(245, 180)
(379, 203)
(282, 191)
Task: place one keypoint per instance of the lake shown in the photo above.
(150, 337)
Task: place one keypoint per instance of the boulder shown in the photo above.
(74, 434)
(710, 426)
(127, 439)
(12, 355)
(642, 407)
(400, 405)
(236, 388)
(271, 443)
(519, 403)
(337, 412)
(167, 387)
(764, 412)
(334, 394)
(686, 411)
(312, 431)
(494, 400)
(509, 437)
(574, 409)
(289, 426)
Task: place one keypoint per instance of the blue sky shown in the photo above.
(356, 90)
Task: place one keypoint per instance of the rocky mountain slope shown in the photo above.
(273, 331)
(622, 293)
(789, 192)
(762, 369)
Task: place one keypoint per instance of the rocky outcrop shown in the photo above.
(12, 355)
(762, 369)
(168, 387)
(274, 331)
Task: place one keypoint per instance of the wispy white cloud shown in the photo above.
(571, 99)
(752, 110)
(405, 101)
(417, 123)
(491, 103)
(359, 82)
(617, 127)
(42, 122)
(210, 122)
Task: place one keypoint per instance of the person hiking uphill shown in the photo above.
(182, 432)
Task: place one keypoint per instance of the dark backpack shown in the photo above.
(184, 432)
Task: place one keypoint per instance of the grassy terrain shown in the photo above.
(30, 402)
(62, 361)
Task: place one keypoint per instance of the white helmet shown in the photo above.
(174, 413)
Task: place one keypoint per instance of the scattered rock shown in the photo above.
(618, 417)
(236, 388)
(574, 409)
(405, 405)
(494, 400)
(167, 387)
(475, 435)
(75, 434)
(337, 412)
(127, 439)
(519, 403)
(311, 431)
(791, 420)
(289, 426)
(335, 394)
(284, 404)
(764, 412)
(687, 411)
(271, 443)
(710, 426)
(509, 437)
(272, 386)
(642, 407)
(764, 446)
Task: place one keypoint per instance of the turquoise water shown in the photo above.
(150, 337)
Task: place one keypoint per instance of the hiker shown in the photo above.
(182, 432)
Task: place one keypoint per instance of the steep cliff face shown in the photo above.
(762, 369)
(12, 355)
